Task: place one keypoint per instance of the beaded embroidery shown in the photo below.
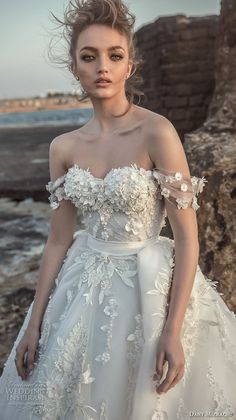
(136, 192)
(179, 190)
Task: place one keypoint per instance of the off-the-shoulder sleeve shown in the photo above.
(57, 192)
(179, 190)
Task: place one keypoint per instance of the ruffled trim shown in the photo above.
(56, 190)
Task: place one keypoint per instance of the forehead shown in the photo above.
(101, 37)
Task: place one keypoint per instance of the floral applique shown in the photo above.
(135, 192)
(99, 269)
(103, 411)
(179, 190)
(159, 413)
(111, 311)
(227, 339)
(70, 373)
(57, 191)
(162, 289)
(129, 190)
(221, 404)
(135, 342)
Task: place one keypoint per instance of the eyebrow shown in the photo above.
(114, 47)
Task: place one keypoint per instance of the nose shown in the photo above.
(102, 66)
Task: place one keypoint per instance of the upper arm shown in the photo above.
(167, 153)
(63, 216)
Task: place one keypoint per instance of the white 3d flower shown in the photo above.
(165, 192)
(178, 176)
(194, 180)
(184, 187)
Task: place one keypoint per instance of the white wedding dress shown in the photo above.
(100, 330)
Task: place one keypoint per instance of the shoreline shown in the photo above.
(50, 127)
(24, 168)
(16, 110)
(34, 104)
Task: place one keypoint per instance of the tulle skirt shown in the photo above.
(97, 350)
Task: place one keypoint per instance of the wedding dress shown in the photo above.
(99, 334)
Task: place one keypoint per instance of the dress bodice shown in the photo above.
(129, 203)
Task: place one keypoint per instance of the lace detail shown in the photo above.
(45, 332)
(134, 192)
(158, 413)
(103, 411)
(227, 341)
(45, 329)
(99, 268)
(190, 333)
(57, 191)
(81, 317)
(129, 191)
(69, 297)
(111, 311)
(221, 405)
(208, 296)
(162, 290)
(179, 190)
(135, 343)
(74, 186)
(70, 373)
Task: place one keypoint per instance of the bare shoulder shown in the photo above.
(164, 144)
(62, 145)
(66, 138)
(159, 126)
(154, 125)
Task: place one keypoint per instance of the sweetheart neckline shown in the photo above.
(132, 165)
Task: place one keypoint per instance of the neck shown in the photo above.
(110, 113)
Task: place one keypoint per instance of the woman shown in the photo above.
(124, 325)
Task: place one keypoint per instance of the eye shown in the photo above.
(84, 57)
(118, 56)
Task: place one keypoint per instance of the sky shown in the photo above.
(25, 27)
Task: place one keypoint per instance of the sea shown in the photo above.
(52, 117)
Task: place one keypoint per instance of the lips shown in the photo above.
(103, 80)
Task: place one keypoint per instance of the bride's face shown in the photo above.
(102, 52)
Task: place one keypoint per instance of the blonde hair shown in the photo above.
(79, 14)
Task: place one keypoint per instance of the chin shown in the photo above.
(102, 95)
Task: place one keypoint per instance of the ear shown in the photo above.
(130, 66)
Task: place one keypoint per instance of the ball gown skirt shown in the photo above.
(97, 350)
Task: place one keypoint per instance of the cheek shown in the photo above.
(124, 68)
(120, 71)
(84, 68)
(84, 71)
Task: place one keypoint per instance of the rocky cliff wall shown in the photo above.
(178, 70)
(211, 150)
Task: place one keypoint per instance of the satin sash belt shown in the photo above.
(119, 247)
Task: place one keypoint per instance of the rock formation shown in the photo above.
(211, 151)
(178, 71)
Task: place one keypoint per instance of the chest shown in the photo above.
(130, 189)
(100, 155)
